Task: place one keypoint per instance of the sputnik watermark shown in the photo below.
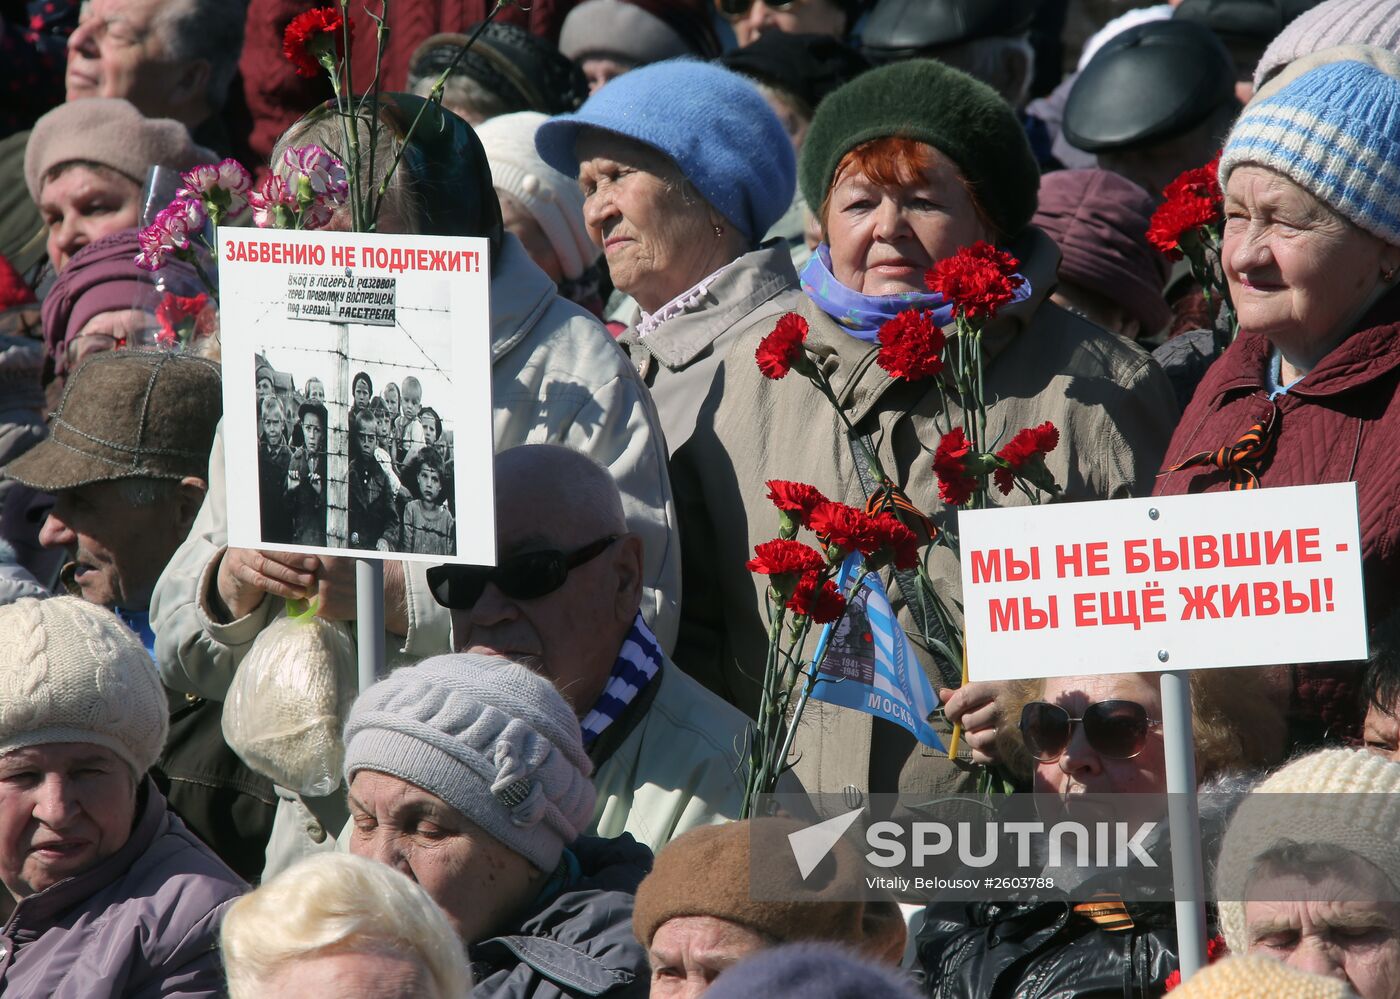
(1033, 847)
(1090, 844)
(1113, 843)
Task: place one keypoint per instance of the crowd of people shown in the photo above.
(541, 795)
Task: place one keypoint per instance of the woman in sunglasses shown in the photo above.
(1098, 735)
(1103, 734)
(751, 18)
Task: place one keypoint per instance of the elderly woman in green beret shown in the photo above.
(904, 166)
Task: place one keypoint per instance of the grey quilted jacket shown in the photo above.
(142, 924)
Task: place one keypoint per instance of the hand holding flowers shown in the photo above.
(979, 281)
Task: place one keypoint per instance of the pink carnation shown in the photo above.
(273, 203)
(223, 188)
(322, 175)
(170, 232)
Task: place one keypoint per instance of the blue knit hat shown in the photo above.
(713, 123)
(1335, 132)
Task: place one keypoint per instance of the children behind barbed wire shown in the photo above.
(428, 526)
(407, 433)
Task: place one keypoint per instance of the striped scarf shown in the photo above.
(637, 663)
(1242, 460)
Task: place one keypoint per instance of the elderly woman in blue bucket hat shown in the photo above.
(683, 168)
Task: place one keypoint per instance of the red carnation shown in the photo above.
(174, 312)
(822, 605)
(1177, 220)
(796, 498)
(902, 543)
(1004, 262)
(781, 350)
(781, 557)
(955, 485)
(311, 35)
(1025, 454)
(1215, 949)
(844, 526)
(911, 346)
(1202, 182)
(978, 280)
(1192, 201)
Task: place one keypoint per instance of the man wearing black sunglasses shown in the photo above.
(564, 600)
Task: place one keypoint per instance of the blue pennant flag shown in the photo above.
(870, 663)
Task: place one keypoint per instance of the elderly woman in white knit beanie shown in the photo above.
(1309, 873)
(542, 207)
(113, 896)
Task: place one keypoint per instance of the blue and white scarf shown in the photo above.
(637, 664)
(863, 315)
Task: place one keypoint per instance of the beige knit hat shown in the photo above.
(70, 671)
(109, 131)
(553, 200)
(1347, 798)
(1245, 976)
(1336, 22)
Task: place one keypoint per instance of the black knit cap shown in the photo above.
(806, 66)
(899, 29)
(1153, 82)
(929, 102)
(525, 71)
(444, 167)
(447, 170)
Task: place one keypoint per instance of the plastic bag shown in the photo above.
(285, 711)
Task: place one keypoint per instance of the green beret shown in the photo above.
(924, 100)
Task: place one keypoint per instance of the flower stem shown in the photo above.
(435, 95)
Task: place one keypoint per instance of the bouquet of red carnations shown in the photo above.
(891, 532)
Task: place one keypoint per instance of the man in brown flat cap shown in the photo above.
(125, 462)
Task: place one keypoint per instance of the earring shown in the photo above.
(719, 231)
(1389, 275)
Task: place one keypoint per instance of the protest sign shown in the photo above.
(357, 394)
(1248, 578)
(868, 663)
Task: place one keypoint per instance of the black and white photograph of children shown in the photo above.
(352, 431)
(380, 457)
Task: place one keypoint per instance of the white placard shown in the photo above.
(1250, 578)
(315, 317)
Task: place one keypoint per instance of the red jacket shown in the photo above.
(1341, 423)
(275, 96)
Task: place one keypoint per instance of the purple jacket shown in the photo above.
(142, 924)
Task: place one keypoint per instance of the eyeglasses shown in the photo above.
(84, 344)
(1116, 730)
(734, 9)
(521, 577)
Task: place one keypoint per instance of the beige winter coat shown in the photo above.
(1112, 404)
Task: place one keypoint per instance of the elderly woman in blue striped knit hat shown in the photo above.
(1307, 393)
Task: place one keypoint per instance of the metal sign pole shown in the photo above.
(1183, 811)
(369, 617)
